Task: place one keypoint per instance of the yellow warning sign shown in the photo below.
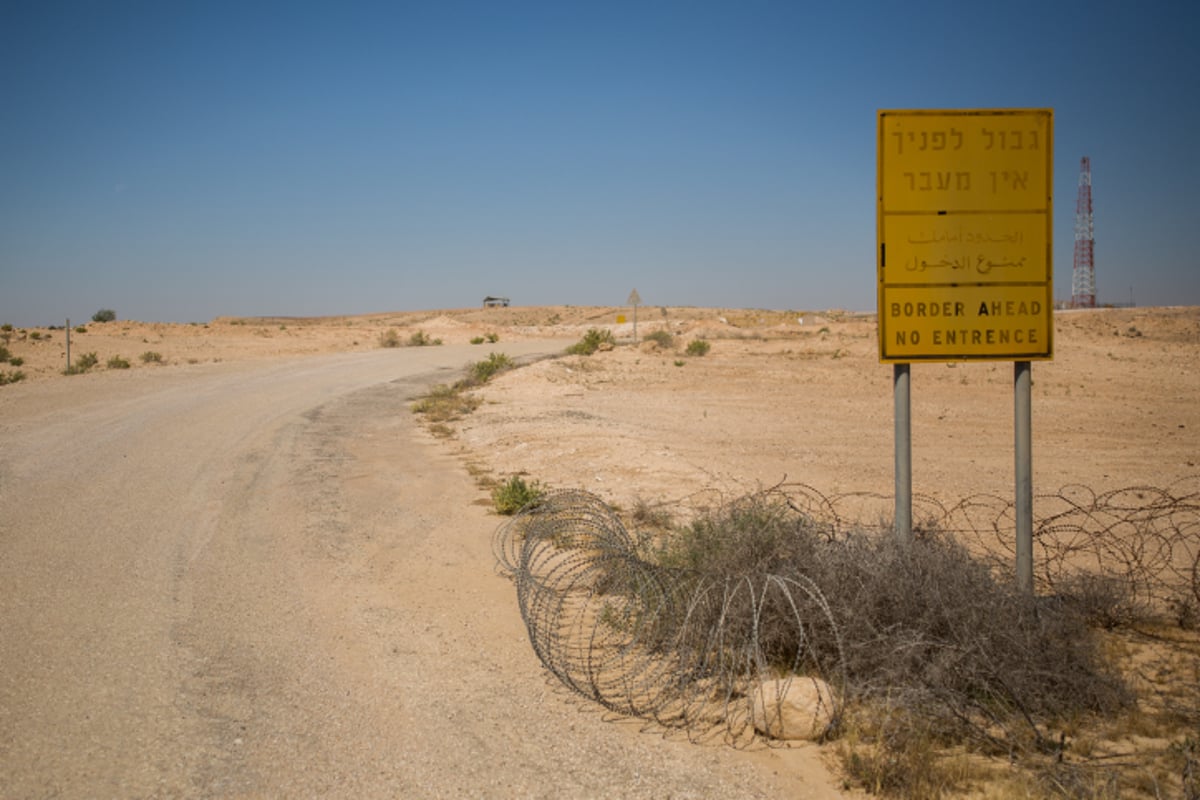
(964, 215)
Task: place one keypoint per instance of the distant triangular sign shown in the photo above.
(634, 298)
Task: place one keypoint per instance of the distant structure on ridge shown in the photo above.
(1083, 276)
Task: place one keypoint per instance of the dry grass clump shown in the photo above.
(446, 403)
(422, 339)
(663, 338)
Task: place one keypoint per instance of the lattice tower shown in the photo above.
(1083, 276)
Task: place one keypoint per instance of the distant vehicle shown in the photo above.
(495, 302)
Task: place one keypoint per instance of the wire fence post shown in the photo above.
(68, 342)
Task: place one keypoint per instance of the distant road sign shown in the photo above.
(635, 299)
(964, 215)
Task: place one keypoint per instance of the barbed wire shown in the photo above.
(697, 652)
(1145, 538)
(631, 635)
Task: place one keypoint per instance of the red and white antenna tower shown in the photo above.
(1083, 276)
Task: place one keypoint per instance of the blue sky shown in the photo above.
(179, 161)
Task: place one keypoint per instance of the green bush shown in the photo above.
(11, 377)
(493, 338)
(104, 315)
(5, 355)
(591, 342)
(422, 339)
(476, 340)
(389, 338)
(151, 357)
(698, 347)
(82, 364)
(482, 371)
(16, 361)
(514, 494)
(35, 335)
(662, 338)
(116, 362)
(80, 329)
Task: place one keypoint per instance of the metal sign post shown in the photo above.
(1023, 450)
(634, 300)
(964, 264)
(903, 439)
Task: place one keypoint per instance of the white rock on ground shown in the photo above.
(799, 707)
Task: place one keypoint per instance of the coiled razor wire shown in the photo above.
(623, 631)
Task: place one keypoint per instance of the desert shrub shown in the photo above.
(482, 371)
(698, 347)
(116, 362)
(662, 338)
(5, 355)
(924, 631)
(12, 376)
(445, 403)
(104, 315)
(16, 361)
(651, 515)
(476, 340)
(389, 338)
(493, 338)
(514, 494)
(1104, 601)
(591, 342)
(892, 752)
(82, 364)
(422, 339)
(151, 357)
(36, 335)
(80, 329)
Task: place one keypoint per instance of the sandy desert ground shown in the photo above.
(795, 396)
(782, 395)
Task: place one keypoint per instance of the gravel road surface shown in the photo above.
(260, 579)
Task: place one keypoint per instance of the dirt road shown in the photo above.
(255, 579)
